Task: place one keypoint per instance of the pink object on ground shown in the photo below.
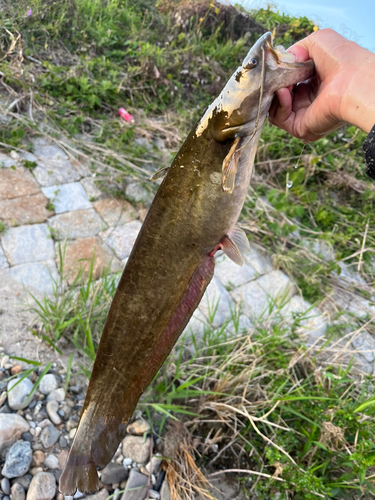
(125, 115)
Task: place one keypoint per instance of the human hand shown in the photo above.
(342, 90)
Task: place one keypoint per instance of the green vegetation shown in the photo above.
(270, 408)
(304, 425)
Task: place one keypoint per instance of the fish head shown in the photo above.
(244, 102)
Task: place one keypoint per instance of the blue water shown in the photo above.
(354, 19)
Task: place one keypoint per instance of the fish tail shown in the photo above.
(94, 444)
(79, 473)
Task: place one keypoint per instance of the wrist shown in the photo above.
(358, 102)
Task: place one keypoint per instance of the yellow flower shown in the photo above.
(315, 28)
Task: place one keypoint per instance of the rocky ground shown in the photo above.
(46, 198)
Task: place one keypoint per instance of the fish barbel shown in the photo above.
(192, 216)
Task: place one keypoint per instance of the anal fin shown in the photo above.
(234, 244)
(238, 236)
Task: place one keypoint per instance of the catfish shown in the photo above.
(192, 216)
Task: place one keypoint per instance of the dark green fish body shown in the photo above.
(169, 268)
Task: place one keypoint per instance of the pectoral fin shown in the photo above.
(229, 168)
(159, 174)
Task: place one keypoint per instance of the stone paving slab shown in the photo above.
(39, 275)
(92, 191)
(364, 343)
(115, 212)
(76, 224)
(122, 238)
(15, 183)
(6, 161)
(277, 285)
(67, 197)
(231, 275)
(217, 304)
(51, 172)
(313, 325)
(45, 149)
(3, 260)
(260, 261)
(78, 255)
(254, 301)
(197, 324)
(28, 244)
(29, 209)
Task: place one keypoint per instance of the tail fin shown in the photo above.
(79, 473)
(94, 444)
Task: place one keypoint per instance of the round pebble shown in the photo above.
(18, 394)
(48, 384)
(17, 492)
(18, 459)
(38, 458)
(52, 409)
(49, 436)
(42, 487)
(5, 485)
(52, 462)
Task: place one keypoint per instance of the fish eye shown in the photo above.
(252, 63)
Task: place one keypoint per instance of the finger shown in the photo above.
(281, 107)
(303, 96)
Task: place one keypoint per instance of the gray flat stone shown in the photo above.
(217, 304)
(197, 324)
(262, 297)
(322, 248)
(44, 149)
(121, 239)
(258, 260)
(312, 323)
(90, 187)
(38, 275)
(364, 344)
(277, 285)
(76, 224)
(240, 326)
(28, 244)
(231, 275)
(51, 172)
(25, 155)
(136, 486)
(6, 161)
(253, 300)
(3, 260)
(136, 193)
(67, 197)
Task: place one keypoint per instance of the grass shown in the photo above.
(266, 409)
(291, 423)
